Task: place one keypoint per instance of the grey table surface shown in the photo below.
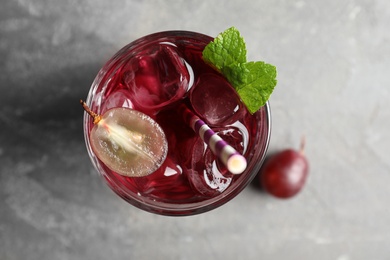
(333, 60)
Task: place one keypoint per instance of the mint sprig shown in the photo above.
(253, 81)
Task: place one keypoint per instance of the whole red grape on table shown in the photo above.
(284, 174)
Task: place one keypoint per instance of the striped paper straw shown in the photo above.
(233, 160)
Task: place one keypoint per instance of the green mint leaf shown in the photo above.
(253, 81)
(227, 49)
(236, 74)
(258, 85)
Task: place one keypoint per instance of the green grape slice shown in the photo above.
(129, 142)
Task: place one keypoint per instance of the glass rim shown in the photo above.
(161, 207)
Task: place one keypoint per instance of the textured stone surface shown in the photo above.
(333, 59)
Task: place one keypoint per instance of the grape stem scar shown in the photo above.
(96, 117)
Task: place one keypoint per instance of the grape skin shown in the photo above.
(129, 142)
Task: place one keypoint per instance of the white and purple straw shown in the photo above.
(233, 160)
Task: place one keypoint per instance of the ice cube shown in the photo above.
(209, 181)
(204, 175)
(167, 182)
(215, 100)
(120, 98)
(208, 175)
(157, 77)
